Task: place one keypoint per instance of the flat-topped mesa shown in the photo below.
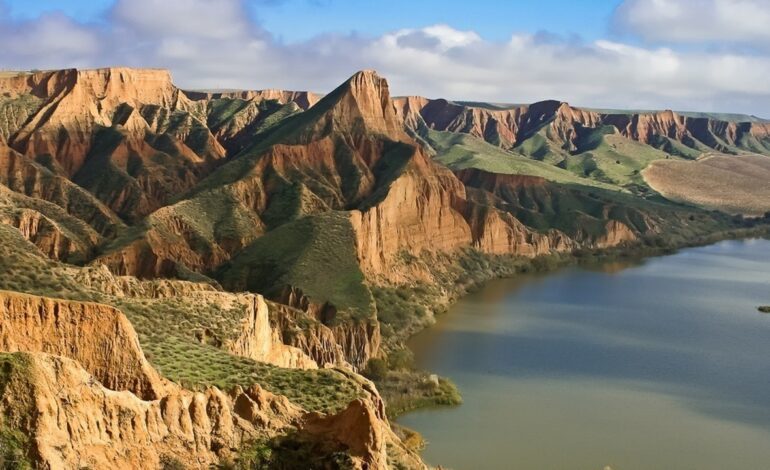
(75, 103)
(129, 85)
(303, 99)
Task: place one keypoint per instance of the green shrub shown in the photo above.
(401, 359)
(376, 369)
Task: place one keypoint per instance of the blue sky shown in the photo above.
(704, 55)
(293, 20)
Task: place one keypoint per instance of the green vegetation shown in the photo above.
(25, 269)
(14, 112)
(405, 391)
(197, 366)
(403, 309)
(764, 308)
(606, 156)
(290, 452)
(728, 117)
(14, 444)
(314, 253)
(167, 330)
(461, 151)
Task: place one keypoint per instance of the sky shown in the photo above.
(691, 55)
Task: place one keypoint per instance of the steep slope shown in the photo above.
(348, 152)
(56, 233)
(42, 180)
(129, 136)
(331, 157)
(99, 337)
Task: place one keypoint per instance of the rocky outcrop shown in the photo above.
(259, 341)
(77, 422)
(77, 384)
(316, 330)
(419, 212)
(256, 337)
(100, 279)
(45, 234)
(73, 421)
(98, 336)
(616, 233)
(76, 101)
(54, 232)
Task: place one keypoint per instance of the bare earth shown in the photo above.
(737, 184)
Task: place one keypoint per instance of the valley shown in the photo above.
(231, 278)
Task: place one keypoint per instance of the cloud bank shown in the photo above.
(707, 55)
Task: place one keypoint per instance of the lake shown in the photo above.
(660, 365)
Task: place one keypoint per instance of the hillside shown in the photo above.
(611, 147)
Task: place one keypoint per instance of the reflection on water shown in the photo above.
(665, 364)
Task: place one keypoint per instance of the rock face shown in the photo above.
(510, 126)
(129, 136)
(75, 102)
(142, 184)
(260, 342)
(57, 234)
(73, 422)
(28, 177)
(420, 211)
(97, 336)
(80, 423)
(346, 344)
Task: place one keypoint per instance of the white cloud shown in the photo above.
(53, 40)
(218, 46)
(696, 21)
(201, 19)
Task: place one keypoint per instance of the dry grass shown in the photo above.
(737, 184)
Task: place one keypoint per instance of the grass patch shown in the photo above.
(314, 253)
(605, 155)
(403, 309)
(461, 151)
(764, 308)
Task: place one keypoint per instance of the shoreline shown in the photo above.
(638, 251)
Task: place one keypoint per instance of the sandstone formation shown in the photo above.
(97, 336)
(77, 422)
(82, 391)
(510, 126)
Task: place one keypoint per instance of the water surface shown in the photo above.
(662, 365)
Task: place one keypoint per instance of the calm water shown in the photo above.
(662, 365)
